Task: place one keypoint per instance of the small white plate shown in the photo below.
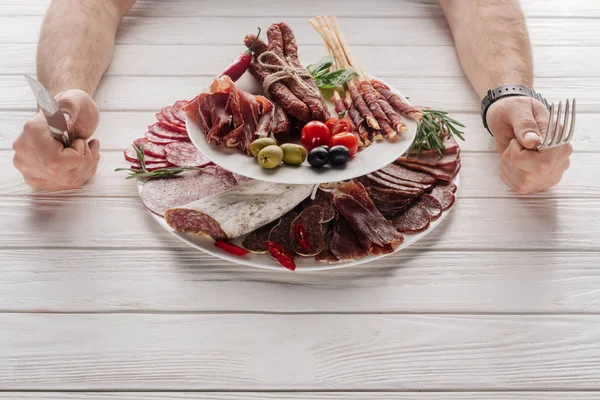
(374, 157)
(303, 264)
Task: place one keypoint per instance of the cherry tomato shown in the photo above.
(346, 139)
(315, 134)
(343, 125)
(331, 123)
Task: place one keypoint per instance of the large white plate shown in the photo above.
(303, 264)
(375, 157)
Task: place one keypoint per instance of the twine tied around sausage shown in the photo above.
(284, 71)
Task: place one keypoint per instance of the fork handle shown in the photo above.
(507, 91)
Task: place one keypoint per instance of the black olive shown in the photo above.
(318, 157)
(339, 155)
(325, 147)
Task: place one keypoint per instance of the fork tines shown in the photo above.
(559, 125)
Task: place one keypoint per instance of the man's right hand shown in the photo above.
(44, 162)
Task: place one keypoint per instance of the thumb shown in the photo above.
(525, 127)
(82, 111)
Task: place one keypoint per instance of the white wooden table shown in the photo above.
(501, 302)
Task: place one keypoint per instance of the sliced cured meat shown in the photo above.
(326, 256)
(306, 232)
(450, 144)
(159, 195)
(344, 243)
(371, 228)
(407, 174)
(166, 132)
(325, 200)
(389, 211)
(131, 155)
(414, 219)
(134, 164)
(165, 121)
(185, 154)
(159, 140)
(431, 204)
(443, 174)
(151, 149)
(238, 211)
(448, 186)
(241, 179)
(282, 122)
(400, 181)
(280, 234)
(178, 112)
(256, 242)
(390, 188)
(390, 199)
(433, 159)
(444, 196)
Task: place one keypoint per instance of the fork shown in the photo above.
(557, 126)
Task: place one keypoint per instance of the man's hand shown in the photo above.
(44, 162)
(518, 125)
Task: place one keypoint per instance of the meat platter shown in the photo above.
(333, 188)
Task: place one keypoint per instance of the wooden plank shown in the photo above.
(383, 8)
(192, 60)
(126, 93)
(186, 280)
(299, 396)
(411, 31)
(480, 172)
(308, 352)
(474, 224)
(118, 129)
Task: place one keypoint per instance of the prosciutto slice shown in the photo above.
(229, 116)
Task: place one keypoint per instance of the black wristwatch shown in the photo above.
(507, 91)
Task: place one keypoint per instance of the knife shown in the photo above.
(57, 121)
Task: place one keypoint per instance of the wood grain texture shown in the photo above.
(187, 280)
(118, 129)
(385, 8)
(194, 60)
(473, 224)
(308, 352)
(126, 93)
(480, 178)
(300, 396)
(424, 31)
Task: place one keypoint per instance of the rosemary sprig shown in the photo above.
(157, 173)
(434, 125)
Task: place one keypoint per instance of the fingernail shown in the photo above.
(531, 137)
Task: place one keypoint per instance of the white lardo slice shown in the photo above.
(237, 211)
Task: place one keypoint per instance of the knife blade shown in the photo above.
(56, 119)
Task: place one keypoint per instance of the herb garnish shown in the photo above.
(326, 79)
(157, 173)
(431, 129)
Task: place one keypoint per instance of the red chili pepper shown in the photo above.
(241, 63)
(281, 255)
(300, 232)
(231, 248)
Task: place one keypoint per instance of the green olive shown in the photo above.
(259, 144)
(293, 154)
(270, 157)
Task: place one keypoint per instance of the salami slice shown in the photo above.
(164, 119)
(159, 140)
(151, 149)
(164, 131)
(131, 155)
(237, 211)
(178, 112)
(153, 167)
(185, 154)
(414, 219)
(169, 113)
(444, 196)
(306, 232)
(161, 194)
(344, 243)
(326, 256)
(447, 185)
(256, 242)
(430, 203)
(280, 234)
(325, 200)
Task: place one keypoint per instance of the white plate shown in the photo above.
(303, 264)
(374, 157)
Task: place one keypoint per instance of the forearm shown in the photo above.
(77, 41)
(492, 42)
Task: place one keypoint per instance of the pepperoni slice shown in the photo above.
(164, 119)
(178, 112)
(164, 131)
(185, 154)
(151, 149)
